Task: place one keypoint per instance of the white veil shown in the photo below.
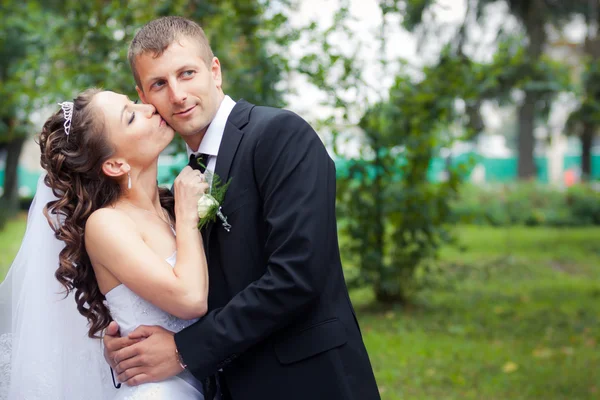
(44, 349)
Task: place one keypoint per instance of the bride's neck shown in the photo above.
(144, 190)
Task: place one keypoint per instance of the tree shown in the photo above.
(19, 38)
(394, 216)
(585, 120)
(534, 16)
(52, 50)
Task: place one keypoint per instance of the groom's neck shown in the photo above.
(193, 141)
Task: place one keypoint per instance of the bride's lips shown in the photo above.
(185, 113)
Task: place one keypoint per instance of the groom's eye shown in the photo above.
(187, 74)
(157, 84)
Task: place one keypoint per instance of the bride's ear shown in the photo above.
(115, 167)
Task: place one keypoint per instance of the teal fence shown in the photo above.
(499, 170)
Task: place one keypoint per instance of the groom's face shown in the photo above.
(184, 89)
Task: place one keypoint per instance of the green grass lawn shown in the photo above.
(10, 241)
(520, 321)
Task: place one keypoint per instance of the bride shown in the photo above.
(122, 248)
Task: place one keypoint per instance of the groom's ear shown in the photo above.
(115, 167)
(140, 93)
(215, 70)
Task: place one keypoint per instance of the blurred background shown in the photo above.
(465, 134)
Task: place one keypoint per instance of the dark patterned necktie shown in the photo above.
(198, 161)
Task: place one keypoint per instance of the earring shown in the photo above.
(128, 181)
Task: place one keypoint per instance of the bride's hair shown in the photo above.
(74, 173)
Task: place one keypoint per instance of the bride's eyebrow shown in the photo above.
(123, 112)
(125, 107)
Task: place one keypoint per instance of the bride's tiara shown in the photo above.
(67, 109)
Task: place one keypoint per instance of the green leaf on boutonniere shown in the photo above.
(210, 204)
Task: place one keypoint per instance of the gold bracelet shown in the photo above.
(182, 364)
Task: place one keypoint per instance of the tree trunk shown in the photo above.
(592, 48)
(526, 165)
(10, 197)
(587, 138)
(534, 21)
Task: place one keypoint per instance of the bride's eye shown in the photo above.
(133, 113)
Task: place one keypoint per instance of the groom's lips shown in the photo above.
(185, 113)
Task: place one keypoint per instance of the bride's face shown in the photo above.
(137, 131)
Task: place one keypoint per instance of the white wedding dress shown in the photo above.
(131, 311)
(45, 353)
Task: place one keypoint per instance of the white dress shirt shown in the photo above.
(214, 134)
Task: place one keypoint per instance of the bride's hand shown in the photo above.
(113, 342)
(189, 186)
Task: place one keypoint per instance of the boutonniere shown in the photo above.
(209, 205)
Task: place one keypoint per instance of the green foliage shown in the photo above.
(527, 204)
(94, 36)
(217, 192)
(589, 93)
(397, 220)
(20, 39)
(511, 68)
(584, 205)
(52, 50)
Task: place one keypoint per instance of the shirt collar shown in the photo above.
(214, 134)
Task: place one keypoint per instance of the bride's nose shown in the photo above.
(147, 109)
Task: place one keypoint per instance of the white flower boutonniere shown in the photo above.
(209, 205)
(205, 204)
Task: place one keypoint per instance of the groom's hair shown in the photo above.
(157, 35)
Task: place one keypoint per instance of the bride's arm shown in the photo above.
(114, 242)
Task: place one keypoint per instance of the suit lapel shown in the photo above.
(232, 136)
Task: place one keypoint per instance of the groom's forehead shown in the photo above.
(181, 50)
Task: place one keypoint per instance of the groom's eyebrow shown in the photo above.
(153, 79)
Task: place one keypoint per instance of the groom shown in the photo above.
(280, 323)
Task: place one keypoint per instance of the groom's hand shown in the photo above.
(153, 359)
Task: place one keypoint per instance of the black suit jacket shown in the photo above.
(280, 322)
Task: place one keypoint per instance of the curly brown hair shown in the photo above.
(74, 173)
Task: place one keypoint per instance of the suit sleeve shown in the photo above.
(296, 178)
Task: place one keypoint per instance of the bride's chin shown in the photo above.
(168, 135)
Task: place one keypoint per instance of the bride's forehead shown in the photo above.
(108, 97)
(110, 102)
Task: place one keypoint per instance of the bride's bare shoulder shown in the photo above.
(106, 220)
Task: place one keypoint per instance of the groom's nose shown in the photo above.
(176, 94)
